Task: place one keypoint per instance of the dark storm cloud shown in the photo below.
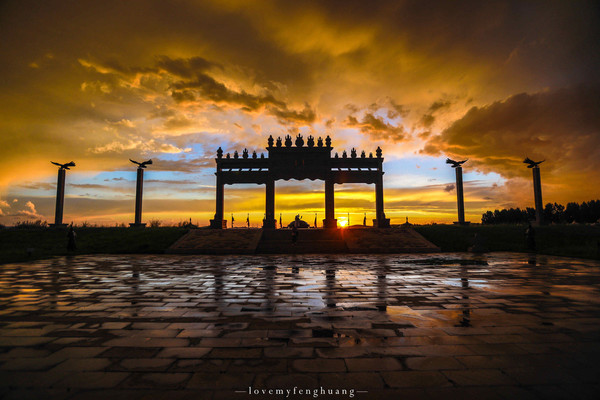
(377, 128)
(561, 126)
(305, 116)
(185, 67)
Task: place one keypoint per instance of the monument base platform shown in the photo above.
(462, 223)
(309, 241)
(140, 225)
(216, 224)
(58, 225)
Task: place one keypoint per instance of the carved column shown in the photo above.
(460, 200)
(138, 199)
(537, 193)
(269, 221)
(218, 222)
(60, 198)
(381, 221)
(329, 221)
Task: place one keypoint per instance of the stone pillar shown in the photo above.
(329, 222)
(381, 221)
(139, 187)
(218, 222)
(460, 200)
(60, 198)
(537, 194)
(269, 221)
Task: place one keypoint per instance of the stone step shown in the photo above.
(303, 234)
(387, 240)
(217, 241)
(302, 247)
(279, 241)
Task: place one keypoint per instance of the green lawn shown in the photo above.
(26, 244)
(563, 240)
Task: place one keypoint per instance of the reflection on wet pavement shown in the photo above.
(487, 326)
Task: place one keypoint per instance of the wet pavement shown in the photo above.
(494, 326)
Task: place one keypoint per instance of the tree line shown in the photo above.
(586, 212)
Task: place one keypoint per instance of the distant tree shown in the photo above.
(487, 218)
(587, 212)
(572, 213)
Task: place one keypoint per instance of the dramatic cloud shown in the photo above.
(101, 82)
(560, 126)
(377, 127)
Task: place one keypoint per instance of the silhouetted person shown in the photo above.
(71, 235)
(530, 237)
(365, 220)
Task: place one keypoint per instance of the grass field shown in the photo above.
(29, 244)
(26, 244)
(561, 240)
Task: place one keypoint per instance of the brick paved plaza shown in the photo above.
(497, 326)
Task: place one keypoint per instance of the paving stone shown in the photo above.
(184, 352)
(220, 381)
(405, 379)
(372, 364)
(145, 364)
(92, 380)
(319, 365)
(201, 365)
(287, 381)
(289, 352)
(146, 342)
(157, 380)
(78, 352)
(30, 364)
(200, 327)
(357, 380)
(433, 363)
(83, 364)
(540, 376)
(479, 377)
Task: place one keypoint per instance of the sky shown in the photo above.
(99, 83)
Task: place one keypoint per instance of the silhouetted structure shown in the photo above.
(60, 193)
(460, 200)
(312, 161)
(139, 187)
(537, 189)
